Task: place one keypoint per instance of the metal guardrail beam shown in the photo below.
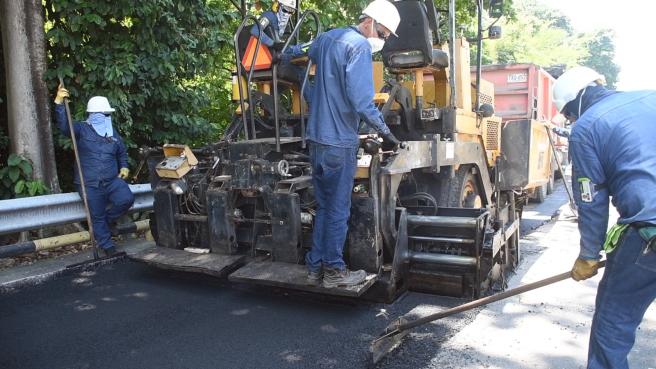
(17, 215)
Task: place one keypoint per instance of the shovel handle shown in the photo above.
(489, 299)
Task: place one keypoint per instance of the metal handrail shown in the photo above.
(294, 34)
(250, 73)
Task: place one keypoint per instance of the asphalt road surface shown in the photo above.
(129, 315)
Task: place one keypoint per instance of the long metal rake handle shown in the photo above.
(79, 170)
(483, 301)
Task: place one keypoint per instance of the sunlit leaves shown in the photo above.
(141, 55)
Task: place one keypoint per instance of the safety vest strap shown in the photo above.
(614, 236)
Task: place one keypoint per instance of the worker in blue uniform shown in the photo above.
(614, 156)
(340, 96)
(274, 22)
(104, 161)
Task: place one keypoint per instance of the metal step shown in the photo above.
(443, 259)
(212, 264)
(442, 221)
(442, 239)
(292, 276)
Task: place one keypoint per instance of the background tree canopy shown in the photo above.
(166, 65)
(545, 36)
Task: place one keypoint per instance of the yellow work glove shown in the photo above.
(584, 269)
(124, 173)
(61, 94)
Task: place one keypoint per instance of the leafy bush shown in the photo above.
(145, 57)
(16, 179)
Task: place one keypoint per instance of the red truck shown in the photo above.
(523, 91)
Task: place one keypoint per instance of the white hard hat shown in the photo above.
(568, 85)
(385, 13)
(99, 104)
(289, 3)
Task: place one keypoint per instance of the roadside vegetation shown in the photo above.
(166, 65)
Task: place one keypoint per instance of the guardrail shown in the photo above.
(17, 215)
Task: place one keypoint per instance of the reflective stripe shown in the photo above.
(614, 236)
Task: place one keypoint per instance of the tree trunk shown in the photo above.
(28, 101)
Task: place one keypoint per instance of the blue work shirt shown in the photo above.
(100, 157)
(272, 28)
(612, 145)
(343, 89)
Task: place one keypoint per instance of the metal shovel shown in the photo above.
(393, 335)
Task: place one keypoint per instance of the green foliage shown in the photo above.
(16, 179)
(538, 35)
(146, 57)
(601, 52)
(165, 65)
(545, 36)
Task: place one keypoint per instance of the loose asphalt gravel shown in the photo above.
(128, 315)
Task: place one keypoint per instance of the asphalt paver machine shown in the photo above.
(433, 217)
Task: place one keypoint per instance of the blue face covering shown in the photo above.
(101, 124)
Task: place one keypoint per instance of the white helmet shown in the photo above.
(99, 104)
(568, 85)
(385, 13)
(289, 3)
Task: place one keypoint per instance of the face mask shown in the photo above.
(283, 19)
(102, 124)
(376, 44)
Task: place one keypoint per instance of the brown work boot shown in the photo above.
(333, 278)
(110, 251)
(314, 278)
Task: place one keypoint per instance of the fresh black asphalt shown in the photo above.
(129, 315)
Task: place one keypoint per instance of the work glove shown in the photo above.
(560, 132)
(124, 173)
(389, 137)
(62, 93)
(584, 269)
(276, 56)
(277, 46)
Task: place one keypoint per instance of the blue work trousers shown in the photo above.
(114, 193)
(333, 170)
(625, 292)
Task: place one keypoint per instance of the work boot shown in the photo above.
(314, 278)
(113, 229)
(110, 251)
(342, 277)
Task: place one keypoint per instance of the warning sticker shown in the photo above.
(450, 150)
(517, 78)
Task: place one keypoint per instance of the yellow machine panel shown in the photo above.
(526, 160)
(540, 156)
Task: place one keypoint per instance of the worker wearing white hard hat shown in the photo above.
(274, 22)
(571, 85)
(104, 161)
(614, 156)
(384, 20)
(340, 96)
